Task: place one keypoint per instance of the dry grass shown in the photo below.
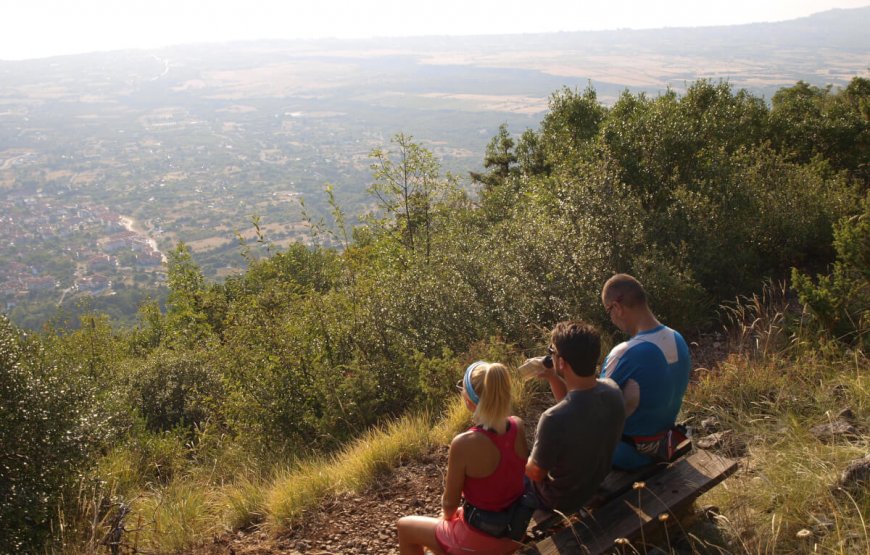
(354, 468)
(786, 498)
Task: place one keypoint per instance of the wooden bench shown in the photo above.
(622, 510)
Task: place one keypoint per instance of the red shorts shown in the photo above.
(456, 537)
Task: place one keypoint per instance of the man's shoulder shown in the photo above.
(558, 409)
(606, 386)
(606, 390)
(563, 410)
(620, 349)
(655, 343)
(638, 348)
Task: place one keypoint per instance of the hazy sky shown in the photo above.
(39, 28)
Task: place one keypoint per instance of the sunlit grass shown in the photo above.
(241, 503)
(351, 470)
(785, 499)
(175, 517)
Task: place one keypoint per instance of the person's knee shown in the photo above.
(415, 527)
(403, 524)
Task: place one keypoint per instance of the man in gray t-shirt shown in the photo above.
(576, 438)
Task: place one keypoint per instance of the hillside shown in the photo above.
(244, 404)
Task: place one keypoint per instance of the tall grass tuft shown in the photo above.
(455, 418)
(353, 469)
(241, 503)
(175, 518)
(759, 326)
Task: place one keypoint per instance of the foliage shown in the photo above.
(816, 123)
(840, 301)
(47, 431)
(175, 389)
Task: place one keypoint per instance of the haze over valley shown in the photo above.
(107, 160)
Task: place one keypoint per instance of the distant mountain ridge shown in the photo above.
(837, 28)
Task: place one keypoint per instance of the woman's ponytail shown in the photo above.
(492, 384)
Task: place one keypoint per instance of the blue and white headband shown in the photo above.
(469, 389)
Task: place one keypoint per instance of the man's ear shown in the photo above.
(565, 368)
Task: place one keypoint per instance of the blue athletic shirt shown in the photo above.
(658, 360)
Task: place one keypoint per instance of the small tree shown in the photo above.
(406, 184)
(500, 159)
(48, 424)
(185, 317)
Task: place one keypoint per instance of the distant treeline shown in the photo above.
(702, 196)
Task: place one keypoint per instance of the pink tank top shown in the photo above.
(500, 489)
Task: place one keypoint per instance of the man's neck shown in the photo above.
(645, 321)
(581, 383)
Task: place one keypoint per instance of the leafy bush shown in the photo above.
(840, 300)
(48, 429)
(175, 388)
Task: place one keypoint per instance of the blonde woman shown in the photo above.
(485, 468)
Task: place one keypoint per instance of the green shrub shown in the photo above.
(176, 388)
(48, 427)
(840, 301)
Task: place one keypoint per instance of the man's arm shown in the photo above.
(557, 384)
(546, 451)
(620, 369)
(535, 472)
(630, 396)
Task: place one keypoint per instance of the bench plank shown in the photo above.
(638, 510)
(615, 484)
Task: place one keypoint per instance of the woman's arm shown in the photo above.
(456, 461)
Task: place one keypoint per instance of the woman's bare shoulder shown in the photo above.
(467, 440)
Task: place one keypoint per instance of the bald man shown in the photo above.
(652, 370)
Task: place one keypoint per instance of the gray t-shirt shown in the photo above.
(575, 443)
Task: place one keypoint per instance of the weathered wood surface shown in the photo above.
(638, 510)
(615, 484)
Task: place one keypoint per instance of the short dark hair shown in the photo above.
(625, 289)
(579, 344)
